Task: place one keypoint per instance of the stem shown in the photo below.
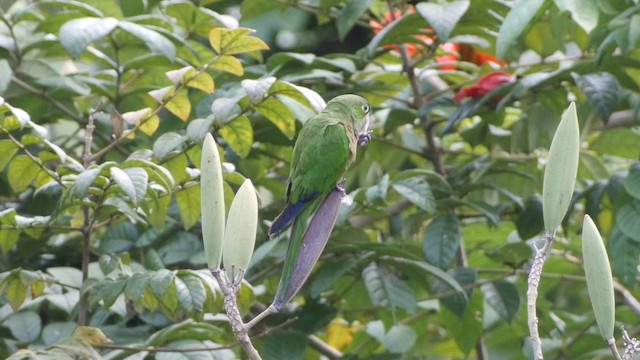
(532, 294)
(611, 344)
(233, 313)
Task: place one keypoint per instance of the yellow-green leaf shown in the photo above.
(180, 106)
(228, 64)
(188, 200)
(16, 292)
(202, 81)
(234, 41)
(279, 115)
(239, 135)
(8, 239)
(150, 125)
(22, 172)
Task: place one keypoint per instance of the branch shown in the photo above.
(532, 294)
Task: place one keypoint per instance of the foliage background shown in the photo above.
(445, 197)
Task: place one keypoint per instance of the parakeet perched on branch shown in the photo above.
(325, 148)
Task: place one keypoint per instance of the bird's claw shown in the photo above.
(364, 138)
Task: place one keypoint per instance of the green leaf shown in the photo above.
(456, 302)
(234, 41)
(387, 289)
(466, 329)
(191, 293)
(503, 297)
(597, 270)
(257, 89)
(583, 12)
(124, 182)
(417, 191)
(350, 15)
(562, 168)
(212, 202)
(5, 80)
(188, 200)
(441, 240)
(279, 115)
(77, 34)
(22, 172)
(327, 275)
(601, 90)
(626, 252)
(399, 339)
(140, 180)
(161, 282)
(627, 220)
(514, 26)
(85, 179)
(617, 142)
(399, 31)
(632, 183)
(134, 289)
(284, 344)
(25, 326)
(152, 39)
(7, 150)
(443, 17)
(239, 135)
(240, 231)
(166, 144)
(530, 222)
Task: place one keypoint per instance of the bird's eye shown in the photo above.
(365, 108)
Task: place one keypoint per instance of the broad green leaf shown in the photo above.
(350, 15)
(617, 142)
(399, 31)
(466, 329)
(530, 222)
(256, 90)
(111, 290)
(196, 131)
(279, 115)
(77, 34)
(166, 144)
(239, 135)
(22, 172)
(387, 289)
(7, 150)
(234, 41)
(202, 81)
(229, 64)
(25, 326)
(520, 17)
(56, 331)
(191, 293)
(399, 339)
(562, 168)
(601, 90)
(632, 183)
(599, 280)
(284, 344)
(124, 182)
(441, 240)
(5, 80)
(583, 12)
(212, 202)
(240, 231)
(417, 191)
(134, 289)
(188, 200)
(503, 297)
(444, 16)
(626, 252)
(290, 90)
(254, 8)
(151, 38)
(627, 219)
(161, 282)
(327, 275)
(180, 106)
(177, 165)
(140, 180)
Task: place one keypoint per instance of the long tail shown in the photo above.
(285, 218)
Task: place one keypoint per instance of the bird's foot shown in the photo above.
(364, 138)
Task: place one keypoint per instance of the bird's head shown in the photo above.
(358, 109)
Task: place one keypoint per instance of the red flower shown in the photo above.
(484, 85)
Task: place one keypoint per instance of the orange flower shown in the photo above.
(453, 51)
(484, 85)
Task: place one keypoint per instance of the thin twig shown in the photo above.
(324, 348)
(532, 294)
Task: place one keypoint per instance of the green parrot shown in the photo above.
(325, 148)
